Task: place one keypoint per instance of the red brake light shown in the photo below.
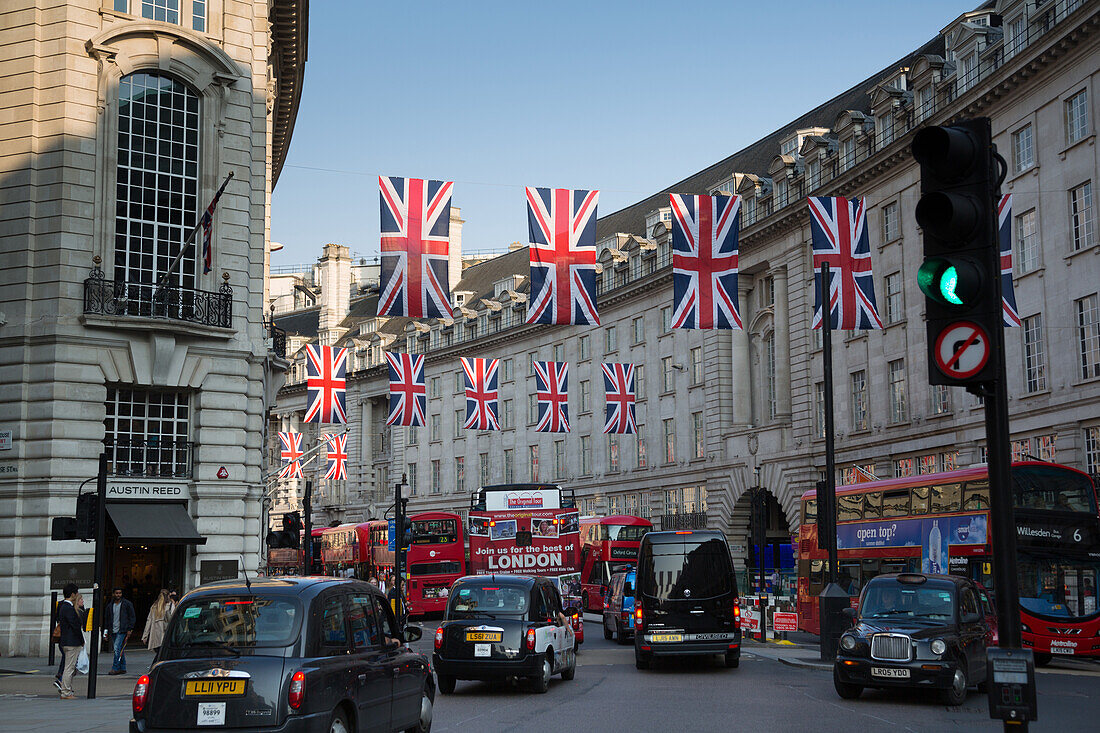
(683, 531)
(736, 611)
(296, 695)
(438, 637)
(238, 603)
(141, 694)
(530, 640)
(638, 615)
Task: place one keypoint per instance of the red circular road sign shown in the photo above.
(962, 350)
(222, 473)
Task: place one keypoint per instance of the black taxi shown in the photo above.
(501, 626)
(285, 654)
(915, 630)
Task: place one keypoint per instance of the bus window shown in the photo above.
(849, 507)
(945, 498)
(895, 503)
(1052, 487)
(809, 511)
(817, 570)
(872, 505)
(920, 500)
(975, 495)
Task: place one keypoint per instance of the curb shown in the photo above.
(821, 666)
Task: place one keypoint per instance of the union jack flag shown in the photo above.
(292, 454)
(408, 396)
(416, 226)
(618, 383)
(704, 261)
(552, 390)
(839, 229)
(562, 227)
(481, 394)
(207, 223)
(337, 457)
(326, 392)
(1008, 295)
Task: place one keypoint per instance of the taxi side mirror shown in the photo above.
(413, 632)
(971, 618)
(849, 613)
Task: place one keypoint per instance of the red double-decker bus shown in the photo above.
(381, 556)
(608, 544)
(937, 523)
(346, 547)
(436, 559)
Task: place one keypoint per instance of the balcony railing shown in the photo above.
(688, 520)
(278, 340)
(149, 458)
(147, 300)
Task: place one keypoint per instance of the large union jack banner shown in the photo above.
(408, 396)
(839, 233)
(618, 383)
(552, 390)
(326, 392)
(562, 227)
(481, 394)
(291, 454)
(416, 226)
(1008, 295)
(337, 455)
(704, 261)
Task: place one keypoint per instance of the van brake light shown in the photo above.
(530, 640)
(141, 694)
(439, 637)
(736, 611)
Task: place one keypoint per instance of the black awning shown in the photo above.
(154, 523)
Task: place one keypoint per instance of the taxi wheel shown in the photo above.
(541, 683)
(424, 722)
(641, 662)
(607, 633)
(444, 683)
(339, 722)
(846, 690)
(584, 602)
(733, 659)
(956, 693)
(620, 635)
(571, 671)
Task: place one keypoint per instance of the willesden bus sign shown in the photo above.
(138, 490)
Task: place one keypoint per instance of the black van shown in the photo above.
(686, 598)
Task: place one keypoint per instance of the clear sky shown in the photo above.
(623, 97)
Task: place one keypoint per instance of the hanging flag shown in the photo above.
(337, 457)
(481, 394)
(618, 383)
(416, 226)
(408, 396)
(839, 235)
(704, 261)
(552, 390)
(326, 393)
(292, 454)
(561, 223)
(1008, 295)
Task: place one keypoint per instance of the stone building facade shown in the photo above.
(122, 119)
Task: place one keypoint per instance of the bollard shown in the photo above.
(53, 622)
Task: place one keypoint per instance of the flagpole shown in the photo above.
(190, 238)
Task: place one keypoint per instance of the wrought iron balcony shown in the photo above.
(147, 300)
(688, 520)
(149, 458)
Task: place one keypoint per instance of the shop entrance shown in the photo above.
(141, 571)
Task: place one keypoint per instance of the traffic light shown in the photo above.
(826, 516)
(292, 525)
(960, 275)
(87, 512)
(405, 535)
(63, 528)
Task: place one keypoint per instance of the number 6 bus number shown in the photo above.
(1077, 535)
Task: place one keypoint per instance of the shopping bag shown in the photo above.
(82, 661)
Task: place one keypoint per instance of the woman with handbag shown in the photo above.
(155, 624)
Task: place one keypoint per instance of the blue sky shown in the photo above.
(624, 97)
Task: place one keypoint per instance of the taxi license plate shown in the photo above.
(221, 688)
(484, 636)
(896, 673)
(1061, 650)
(667, 637)
(211, 713)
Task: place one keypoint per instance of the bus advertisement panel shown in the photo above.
(436, 559)
(608, 544)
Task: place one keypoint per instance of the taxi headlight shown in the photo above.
(938, 646)
(847, 643)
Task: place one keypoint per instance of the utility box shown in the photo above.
(1011, 683)
(831, 604)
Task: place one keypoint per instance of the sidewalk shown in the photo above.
(33, 676)
(788, 652)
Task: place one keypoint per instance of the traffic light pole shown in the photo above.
(307, 530)
(398, 542)
(98, 603)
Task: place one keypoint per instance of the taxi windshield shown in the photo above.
(488, 600)
(899, 601)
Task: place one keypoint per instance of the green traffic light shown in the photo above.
(953, 282)
(949, 280)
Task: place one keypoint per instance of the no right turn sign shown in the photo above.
(962, 350)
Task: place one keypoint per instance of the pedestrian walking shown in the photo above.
(70, 619)
(118, 623)
(162, 610)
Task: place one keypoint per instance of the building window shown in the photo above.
(532, 408)
(410, 478)
(904, 468)
(643, 459)
(434, 387)
(1092, 450)
(559, 459)
(483, 468)
(638, 330)
(585, 395)
(412, 435)
(1023, 149)
(666, 319)
(859, 400)
(533, 462)
(166, 11)
(610, 342)
(1027, 242)
(586, 455)
(895, 305)
(460, 420)
(460, 473)
(697, 438)
(1034, 358)
(532, 357)
(435, 476)
(780, 191)
(506, 414)
(157, 179)
(1080, 210)
(926, 464)
(767, 291)
(436, 428)
(506, 370)
(667, 380)
(847, 154)
(146, 433)
(559, 353)
(924, 102)
(1088, 336)
(1077, 117)
(696, 355)
(612, 453)
(460, 382)
(584, 348)
(639, 382)
(509, 466)
(819, 409)
(898, 410)
(891, 225)
(813, 174)
(771, 392)
(941, 399)
(885, 129)
(669, 428)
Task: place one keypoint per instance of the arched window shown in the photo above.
(157, 178)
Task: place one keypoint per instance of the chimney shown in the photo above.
(335, 275)
(454, 253)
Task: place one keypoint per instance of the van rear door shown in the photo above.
(688, 586)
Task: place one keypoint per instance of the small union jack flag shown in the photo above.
(408, 396)
(704, 261)
(1008, 295)
(562, 227)
(552, 390)
(839, 232)
(416, 227)
(337, 457)
(618, 383)
(292, 454)
(207, 223)
(326, 392)
(481, 394)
